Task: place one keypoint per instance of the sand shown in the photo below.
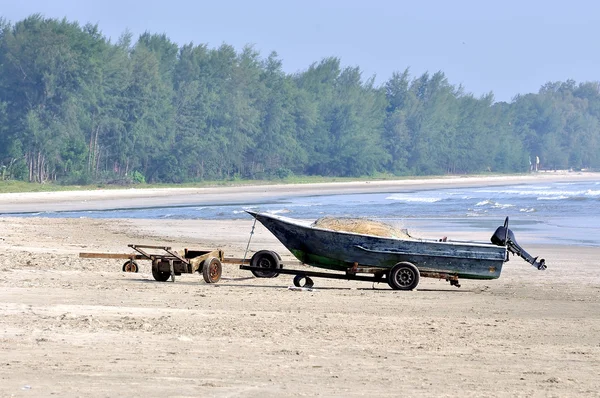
(71, 326)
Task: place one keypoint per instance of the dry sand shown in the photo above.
(71, 326)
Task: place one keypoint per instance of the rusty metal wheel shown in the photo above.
(130, 266)
(211, 270)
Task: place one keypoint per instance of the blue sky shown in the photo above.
(507, 47)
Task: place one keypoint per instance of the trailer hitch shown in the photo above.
(505, 237)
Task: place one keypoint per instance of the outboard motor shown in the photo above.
(505, 237)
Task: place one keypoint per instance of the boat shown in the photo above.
(398, 261)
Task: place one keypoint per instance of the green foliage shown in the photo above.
(138, 178)
(78, 109)
(282, 173)
(77, 178)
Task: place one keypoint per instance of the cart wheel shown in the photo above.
(265, 259)
(308, 282)
(130, 266)
(404, 276)
(211, 270)
(160, 276)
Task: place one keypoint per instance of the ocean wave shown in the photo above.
(542, 193)
(36, 214)
(255, 208)
(279, 211)
(415, 199)
(307, 204)
(495, 205)
(572, 195)
(529, 192)
(561, 197)
(173, 216)
(527, 210)
(539, 187)
(476, 212)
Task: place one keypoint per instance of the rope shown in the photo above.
(249, 239)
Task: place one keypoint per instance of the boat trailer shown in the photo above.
(303, 278)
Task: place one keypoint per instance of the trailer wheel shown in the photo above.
(159, 276)
(403, 276)
(265, 259)
(211, 270)
(130, 266)
(308, 282)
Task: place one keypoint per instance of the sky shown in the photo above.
(507, 47)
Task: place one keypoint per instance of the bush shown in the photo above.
(138, 178)
(77, 178)
(283, 172)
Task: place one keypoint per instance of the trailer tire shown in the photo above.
(130, 266)
(265, 259)
(159, 276)
(212, 270)
(403, 276)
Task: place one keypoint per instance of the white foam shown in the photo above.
(530, 210)
(493, 204)
(502, 206)
(280, 211)
(416, 199)
(307, 204)
(561, 197)
(551, 193)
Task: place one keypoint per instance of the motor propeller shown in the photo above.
(505, 237)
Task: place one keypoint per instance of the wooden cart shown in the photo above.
(168, 263)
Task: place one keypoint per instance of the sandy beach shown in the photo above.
(72, 326)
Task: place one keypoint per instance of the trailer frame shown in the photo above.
(303, 278)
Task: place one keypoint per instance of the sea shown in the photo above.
(565, 213)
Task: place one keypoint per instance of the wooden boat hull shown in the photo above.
(337, 250)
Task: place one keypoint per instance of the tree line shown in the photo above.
(78, 108)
